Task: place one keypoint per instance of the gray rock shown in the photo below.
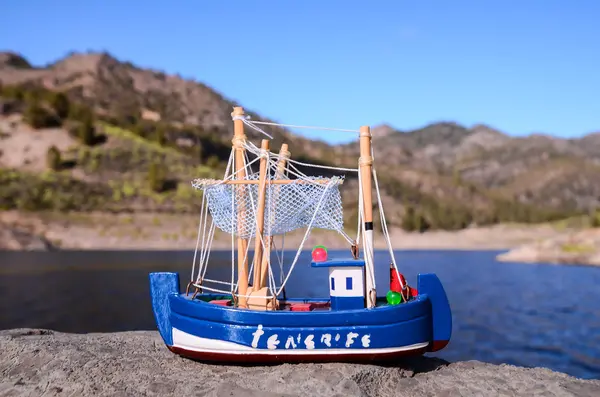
(40, 362)
(15, 238)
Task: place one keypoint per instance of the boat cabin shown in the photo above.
(346, 282)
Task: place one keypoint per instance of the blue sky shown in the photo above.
(522, 66)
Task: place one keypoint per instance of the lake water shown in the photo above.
(522, 314)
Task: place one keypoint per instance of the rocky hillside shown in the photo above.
(537, 170)
(90, 132)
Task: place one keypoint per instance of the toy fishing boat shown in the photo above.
(242, 320)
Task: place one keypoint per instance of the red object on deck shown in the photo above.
(222, 302)
(320, 305)
(394, 281)
(319, 254)
(300, 307)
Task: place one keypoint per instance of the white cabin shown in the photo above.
(346, 283)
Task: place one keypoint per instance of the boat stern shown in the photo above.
(163, 284)
(441, 314)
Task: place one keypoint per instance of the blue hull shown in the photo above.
(207, 331)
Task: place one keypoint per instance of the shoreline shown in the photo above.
(98, 231)
(36, 362)
(576, 248)
(152, 231)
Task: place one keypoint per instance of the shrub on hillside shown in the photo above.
(60, 103)
(13, 92)
(39, 117)
(79, 112)
(414, 221)
(31, 192)
(53, 158)
(156, 177)
(595, 218)
(212, 161)
(160, 135)
(87, 132)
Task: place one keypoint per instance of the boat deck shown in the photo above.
(300, 305)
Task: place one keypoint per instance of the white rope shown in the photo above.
(280, 258)
(198, 238)
(204, 243)
(208, 250)
(204, 287)
(326, 167)
(304, 239)
(308, 127)
(209, 280)
(233, 244)
(302, 176)
(245, 261)
(236, 288)
(360, 205)
(208, 238)
(384, 227)
(254, 149)
(274, 167)
(369, 267)
(199, 182)
(263, 154)
(255, 128)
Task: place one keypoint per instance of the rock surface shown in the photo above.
(581, 248)
(16, 238)
(41, 362)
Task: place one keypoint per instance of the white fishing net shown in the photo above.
(287, 206)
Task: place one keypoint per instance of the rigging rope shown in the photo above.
(290, 168)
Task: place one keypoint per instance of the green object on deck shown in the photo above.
(393, 298)
(320, 246)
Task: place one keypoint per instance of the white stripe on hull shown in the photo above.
(187, 341)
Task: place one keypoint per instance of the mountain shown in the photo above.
(152, 126)
(537, 169)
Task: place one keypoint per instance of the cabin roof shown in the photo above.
(339, 262)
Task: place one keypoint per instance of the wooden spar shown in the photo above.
(284, 154)
(239, 138)
(366, 166)
(260, 215)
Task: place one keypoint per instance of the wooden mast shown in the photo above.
(284, 154)
(366, 166)
(260, 216)
(239, 138)
(259, 296)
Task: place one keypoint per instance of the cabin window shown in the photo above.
(332, 283)
(348, 283)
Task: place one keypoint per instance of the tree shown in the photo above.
(53, 158)
(87, 132)
(79, 112)
(13, 92)
(156, 177)
(32, 96)
(420, 222)
(456, 176)
(212, 161)
(595, 218)
(408, 220)
(61, 105)
(159, 134)
(38, 117)
(139, 129)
